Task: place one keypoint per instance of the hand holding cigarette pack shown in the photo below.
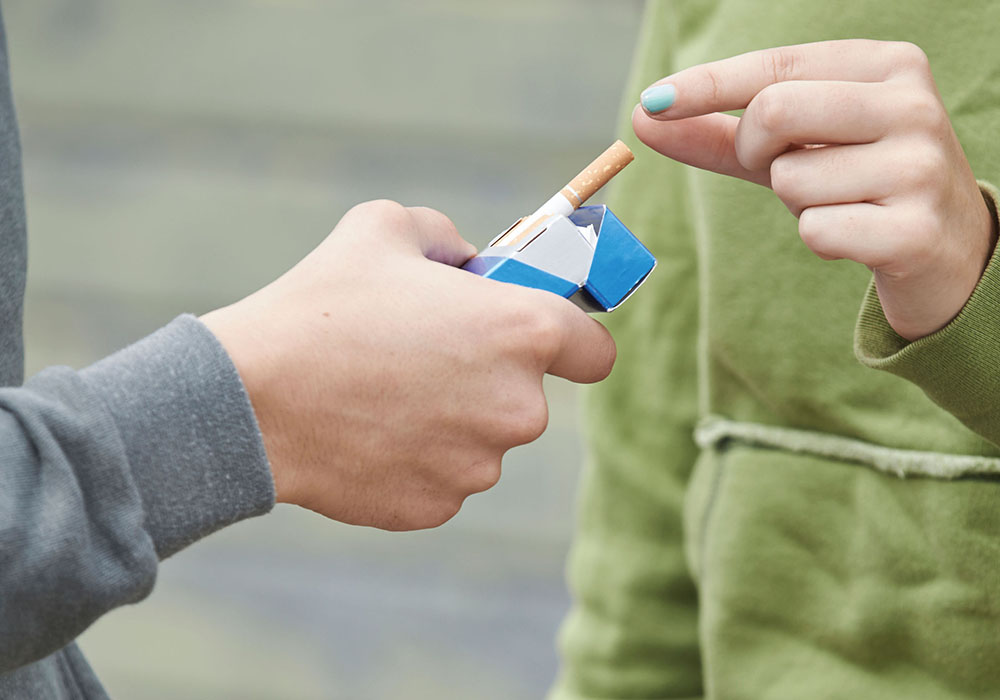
(582, 253)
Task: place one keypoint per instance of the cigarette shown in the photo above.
(575, 193)
(597, 174)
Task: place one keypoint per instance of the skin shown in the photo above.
(387, 383)
(854, 139)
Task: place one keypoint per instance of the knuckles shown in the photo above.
(433, 505)
(908, 56)
(812, 231)
(908, 241)
(484, 475)
(780, 64)
(774, 106)
(544, 327)
(526, 419)
(923, 168)
(785, 181)
(921, 106)
(771, 112)
(535, 325)
(918, 110)
(436, 219)
(817, 235)
(380, 211)
(382, 217)
(428, 515)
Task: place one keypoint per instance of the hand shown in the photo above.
(853, 137)
(387, 384)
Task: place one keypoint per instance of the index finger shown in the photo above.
(438, 238)
(732, 83)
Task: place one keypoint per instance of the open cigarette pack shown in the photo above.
(582, 253)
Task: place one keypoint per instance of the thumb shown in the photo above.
(706, 142)
(586, 352)
(438, 239)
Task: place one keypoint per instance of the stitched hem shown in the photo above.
(713, 430)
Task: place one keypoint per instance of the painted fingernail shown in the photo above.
(657, 98)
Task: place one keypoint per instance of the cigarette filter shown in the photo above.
(574, 194)
(582, 253)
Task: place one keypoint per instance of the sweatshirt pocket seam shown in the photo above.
(713, 430)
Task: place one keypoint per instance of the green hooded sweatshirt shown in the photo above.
(785, 499)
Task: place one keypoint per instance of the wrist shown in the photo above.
(248, 349)
(921, 304)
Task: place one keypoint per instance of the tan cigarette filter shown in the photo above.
(596, 175)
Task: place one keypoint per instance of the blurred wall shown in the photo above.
(180, 154)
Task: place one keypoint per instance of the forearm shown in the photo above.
(105, 471)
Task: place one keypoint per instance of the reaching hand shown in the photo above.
(389, 384)
(853, 137)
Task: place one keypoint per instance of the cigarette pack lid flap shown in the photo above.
(621, 263)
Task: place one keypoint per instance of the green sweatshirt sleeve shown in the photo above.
(958, 367)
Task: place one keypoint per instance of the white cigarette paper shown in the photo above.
(575, 193)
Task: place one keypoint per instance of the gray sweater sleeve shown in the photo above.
(105, 471)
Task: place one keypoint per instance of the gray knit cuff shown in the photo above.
(190, 434)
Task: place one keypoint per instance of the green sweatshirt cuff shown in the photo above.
(955, 366)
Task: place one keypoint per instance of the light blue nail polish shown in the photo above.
(657, 98)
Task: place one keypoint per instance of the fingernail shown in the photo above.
(657, 98)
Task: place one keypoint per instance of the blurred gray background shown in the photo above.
(178, 155)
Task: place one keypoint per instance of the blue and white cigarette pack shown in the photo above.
(589, 257)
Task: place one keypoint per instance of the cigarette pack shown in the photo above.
(588, 257)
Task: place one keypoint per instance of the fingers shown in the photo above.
(425, 231)
(579, 348)
(863, 232)
(438, 238)
(838, 175)
(706, 142)
(780, 120)
(834, 92)
(793, 114)
(733, 82)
